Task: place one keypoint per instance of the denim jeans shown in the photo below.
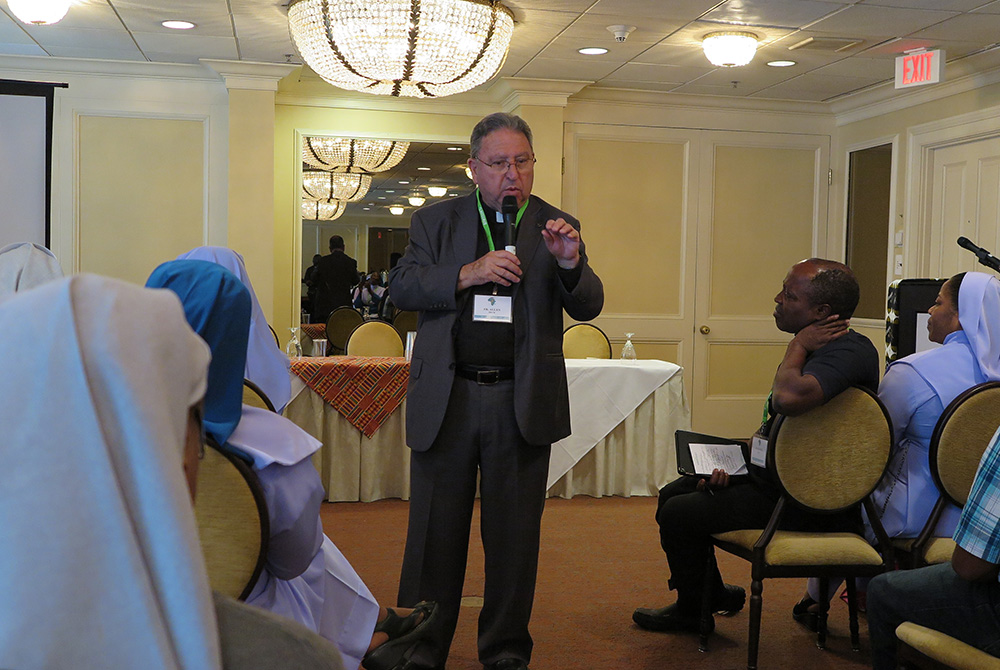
(937, 598)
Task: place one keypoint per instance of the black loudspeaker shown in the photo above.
(905, 330)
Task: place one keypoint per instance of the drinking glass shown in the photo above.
(628, 350)
(293, 348)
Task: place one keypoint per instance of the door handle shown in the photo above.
(705, 330)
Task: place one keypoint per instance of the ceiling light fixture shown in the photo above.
(782, 63)
(342, 154)
(454, 148)
(468, 172)
(396, 210)
(323, 210)
(402, 48)
(437, 191)
(593, 51)
(416, 201)
(404, 181)
(424, 169)
(177, 25)
(322, 185)
(730, 48)
(39, 12)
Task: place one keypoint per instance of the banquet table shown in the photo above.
(623, 414)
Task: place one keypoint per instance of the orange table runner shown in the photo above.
(365, 389)
(315, 331)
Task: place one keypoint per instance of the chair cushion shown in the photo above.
(945, 649)
(939, 550)
(799, 548)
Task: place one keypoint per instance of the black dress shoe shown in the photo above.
(668, 619)
(730, 601)
(507, 664)
(802, 615)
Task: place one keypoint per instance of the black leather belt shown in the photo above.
(484, 375)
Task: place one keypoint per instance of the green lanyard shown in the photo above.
(486, 225)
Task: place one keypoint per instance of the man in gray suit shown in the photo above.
(487, 391)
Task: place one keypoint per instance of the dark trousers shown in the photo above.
(687, 518)
(479, 434)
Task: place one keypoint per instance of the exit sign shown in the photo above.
(917, 69)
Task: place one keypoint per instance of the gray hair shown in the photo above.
(497, 121)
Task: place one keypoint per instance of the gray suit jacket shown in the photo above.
(442, 240)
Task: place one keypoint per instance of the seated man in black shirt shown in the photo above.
(816, 301)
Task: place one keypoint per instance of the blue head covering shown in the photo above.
(217, 307)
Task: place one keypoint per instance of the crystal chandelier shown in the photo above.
(39, 12)
(323, 185)
(323, 210)
(416, 48)
(341, 154)
(730, 48)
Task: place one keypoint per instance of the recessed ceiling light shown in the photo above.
(453, 195)
(781, 63)
(177, 25)
(390, 190)
(367, 209)
(454, 148)
(396, 210)
(381, 197)
(404, 182)
(424, 169)
(593, 51)
(416, 200)
(437, 191)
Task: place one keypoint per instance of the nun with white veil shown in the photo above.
(267, 366)
(305, 577)
(101, 565)
(25, 265)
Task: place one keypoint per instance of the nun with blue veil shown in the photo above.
(305, 577)
(266, 366)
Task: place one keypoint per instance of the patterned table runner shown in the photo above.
(315, 331)
(365, 389)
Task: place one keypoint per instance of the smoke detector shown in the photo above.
(621, 32)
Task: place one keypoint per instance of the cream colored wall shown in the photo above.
(251, 188)
(141, 190)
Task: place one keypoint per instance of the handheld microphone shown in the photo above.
(985, 257)
(509, 210)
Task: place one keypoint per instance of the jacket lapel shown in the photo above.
(529, 238)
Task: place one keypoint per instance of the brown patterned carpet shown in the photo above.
(600, 559)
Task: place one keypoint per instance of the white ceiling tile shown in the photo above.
(869, 21)
(967, 28)
(88, 38)
(946, 5)
(188, 48)
(551, 68)
(656, 73)
(787, 13)
(879, 69)
(104, 52)
(22, 49)
(990, 8)
(637, 11)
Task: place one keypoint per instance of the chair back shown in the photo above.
(585, 340)
(405, 322)
(342, 321)
(275, 335)
(833, 456)
(374, 338)
(232, 522)
(960, 437)
(255, 397)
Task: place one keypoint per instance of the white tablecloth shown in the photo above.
(623, 415)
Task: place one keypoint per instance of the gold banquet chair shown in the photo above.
(255, 397)
(232, 522)
(374, 338)
(957, 444)
(405, 322)
(339, 326)
(921, 647)
(585, 340)
(827, 460)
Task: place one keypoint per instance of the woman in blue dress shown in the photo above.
(965, 321)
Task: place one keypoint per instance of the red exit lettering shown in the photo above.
(917, 68)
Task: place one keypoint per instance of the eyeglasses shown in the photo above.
(522, 164)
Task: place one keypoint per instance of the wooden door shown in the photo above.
(762, 209)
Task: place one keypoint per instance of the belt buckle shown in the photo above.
(487, 377)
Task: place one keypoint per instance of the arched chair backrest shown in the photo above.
(255, 397)
(585, 340)
(960, 437)
(834, 455)
(405, 322)
(232, 522)
(275, 335)
(342, 321)
(374, 338)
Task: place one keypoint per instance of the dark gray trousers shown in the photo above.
(479, 435)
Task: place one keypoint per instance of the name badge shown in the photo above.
(495, 308)
(758, 451)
